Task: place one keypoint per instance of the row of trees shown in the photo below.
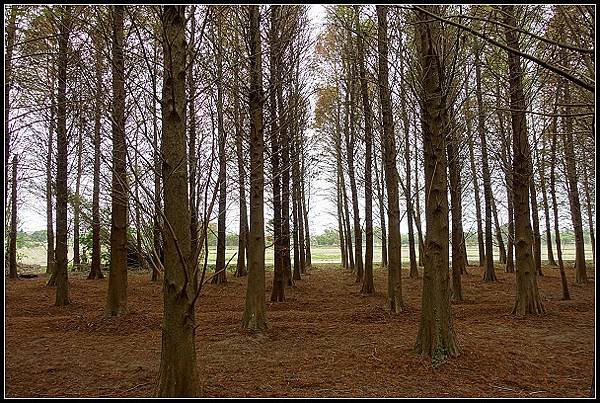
(235, 88)
(84, 93)
(500, 81)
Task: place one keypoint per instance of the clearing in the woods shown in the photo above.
(325, 340)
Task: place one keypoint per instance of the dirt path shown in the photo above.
(325, 340)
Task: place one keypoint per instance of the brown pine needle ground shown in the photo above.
(325, 340)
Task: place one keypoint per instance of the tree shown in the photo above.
(95, 270)
(116, 304)
(528, 299)
(489, 273)
(367, 285)
(394, 302)
(12, 248)
(220, 272)
(60, 270)
(178, 373)
(255, 317)
(436, 334)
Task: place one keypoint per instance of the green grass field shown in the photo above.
(36, 255)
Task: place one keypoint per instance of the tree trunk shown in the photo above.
(12, 247)
(488, 274)
(542, 166)
(192, 132)
(11, 29)
(537, 239)
(561, 266)
(305, 201)
(76, 201)
(436, 334)
(506, 161)
(367, 285)
(381, 199)
(413, 272)
(220, 272)
(62, 281)
(178, 372)
(501, 248)
(417, 206)
(394, 297)
(50, 264)
(528, 299)
(255, 317)
(572, 179)
(95, 269)
(590, 216)
(340, 218)
(240, 270)
(117, 279)
(342, 184)
(278, 290)
(477, 196)
(350, 141)
(458, 260)
(298, 199)
(156, 231)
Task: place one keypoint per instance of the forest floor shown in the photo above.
(326, 340)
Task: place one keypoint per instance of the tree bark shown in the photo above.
(381, 198)
(62, 281)
(542, 167)
(11, 29)
(240, 270)
(12, 247)
(488, 274)
(191, 83)
(50, 263)
(480, 242)
(537, 239)
(156, 228)
(590, 216)
(458, 259)
(528, 300)
(255, 317)
(573, 191)
(499, 240)
(117, 279)
(278, 290)
(76, 201)
(561, 266)
(178, 372)
(95, 269)
(220, 272)
(368, 287)
(394, 297)
(436, 334)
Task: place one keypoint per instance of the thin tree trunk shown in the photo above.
(394, 297)
(499, 240)
(344, 195)
(240, 270)
(62, 281)
(480, 242)
(458, 260)
(220, 272)
(537, 240)
(561, 266)
(542, 166)
(368, 287)
(590, 216)
(488, 274)
(507, 162)
(572, 179)
(305, 201)
(76, 202)
(528, 300)
(436, 334)
(191, 82)
(12, 247)
(381, 199)
(95, 269)
(417, 206)
(117, 279)
(11, 29)
(50, 264)
(156, 230)
(255, 317)
(178, 372)
(278, 290)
